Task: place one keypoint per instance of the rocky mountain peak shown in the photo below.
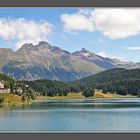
(86, 53)
(44, 43)
(83, 50)
(25, 47)
(30, 47)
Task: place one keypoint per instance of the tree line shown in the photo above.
(120, 81)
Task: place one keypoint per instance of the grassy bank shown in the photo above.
(15, 100)
(98, 94)
(12, 100)
(69, 96)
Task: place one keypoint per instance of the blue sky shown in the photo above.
(113, 33)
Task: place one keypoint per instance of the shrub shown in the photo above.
(88, 92)
(1, 99)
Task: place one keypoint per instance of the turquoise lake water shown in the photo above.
(73, 115)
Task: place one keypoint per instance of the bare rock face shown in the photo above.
(44, 61)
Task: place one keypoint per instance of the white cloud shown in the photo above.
(115, 23)
(24, 31)
(133, 48)
(77, 22)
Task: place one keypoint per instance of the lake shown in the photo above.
(73, 115)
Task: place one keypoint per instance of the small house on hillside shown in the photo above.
(2, 89)
(1, 84)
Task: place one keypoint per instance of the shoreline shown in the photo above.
(11, 100)
(97, 95)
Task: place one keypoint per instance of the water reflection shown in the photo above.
(74, 115)
(85, 103)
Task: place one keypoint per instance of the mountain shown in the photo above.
(43, 61)
(102, 62)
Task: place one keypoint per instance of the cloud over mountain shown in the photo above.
(22, 30)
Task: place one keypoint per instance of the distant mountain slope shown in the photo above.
(102, 62)
(43, 61)
(5, 56)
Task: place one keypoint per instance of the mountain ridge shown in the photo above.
(43, 61)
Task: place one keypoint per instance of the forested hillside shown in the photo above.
(49, 88)
(17, 88)
(120, 81)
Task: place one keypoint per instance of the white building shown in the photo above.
(1, 84)
(2, 89)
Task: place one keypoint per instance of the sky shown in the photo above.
(109, 32)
